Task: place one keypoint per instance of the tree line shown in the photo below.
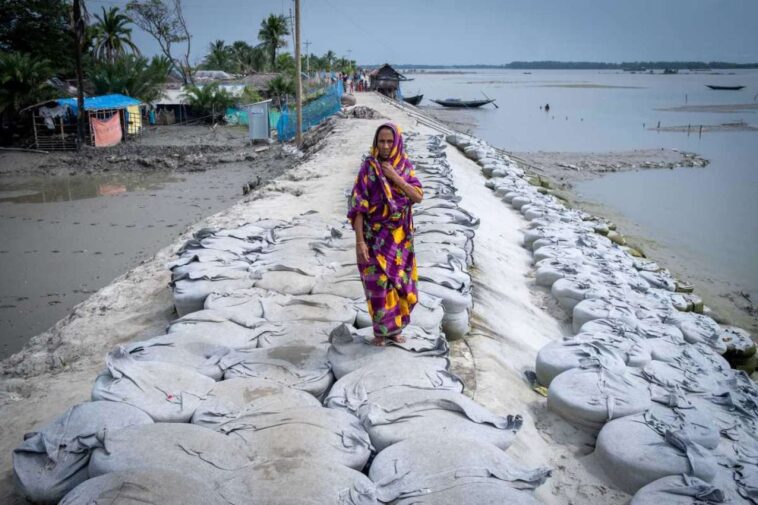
(38, 44)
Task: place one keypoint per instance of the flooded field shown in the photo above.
(66, 237)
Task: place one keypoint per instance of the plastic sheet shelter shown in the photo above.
(55, 121)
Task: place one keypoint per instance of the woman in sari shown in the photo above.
(381, 215)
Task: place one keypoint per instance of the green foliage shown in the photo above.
(279, 88)
(238, 58)
(249, 95)
(111, 35)
(273, 30)
(131, 75)
(23, 82)
(41, 28)
(209, 101)
(286, 63)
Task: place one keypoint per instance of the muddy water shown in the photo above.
(66, 237)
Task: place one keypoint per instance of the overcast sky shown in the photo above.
(488, 31)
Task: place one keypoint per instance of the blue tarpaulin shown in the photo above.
(115, 101)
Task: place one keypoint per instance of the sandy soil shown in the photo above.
(717, 108)
(512, 319)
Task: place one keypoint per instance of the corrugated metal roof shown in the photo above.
(115, 101)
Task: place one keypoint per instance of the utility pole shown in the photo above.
(307, 45)
(78, 35)
(299, 80)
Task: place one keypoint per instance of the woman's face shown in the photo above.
(384, 142)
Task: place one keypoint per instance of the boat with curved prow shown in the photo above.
(725, 88)
(458, 103)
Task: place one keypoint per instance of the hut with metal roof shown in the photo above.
(386, 80)
(109, 119)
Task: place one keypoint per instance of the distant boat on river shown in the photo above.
(413, 100)
(728, 88)
(458, 103)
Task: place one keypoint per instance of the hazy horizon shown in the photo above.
(486, 32)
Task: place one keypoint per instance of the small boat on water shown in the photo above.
(413, 100)
(728, 88)
(457, 102)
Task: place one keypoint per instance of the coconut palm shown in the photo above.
(279, 88)
(219, 57)
(23, 82)
(329, 58)
(273, 30)
(112, 36)
(210, 102)
(131, 75)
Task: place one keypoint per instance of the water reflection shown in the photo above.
(50, 189)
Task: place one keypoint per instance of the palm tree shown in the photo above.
(210, 101)
(23, 82)
(218, 57)
(329, 57)
(272, 32)
(131, 75)
(112, 36)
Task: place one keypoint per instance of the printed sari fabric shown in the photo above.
(390, 277)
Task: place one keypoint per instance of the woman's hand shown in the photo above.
(361, 252)
(389, 172)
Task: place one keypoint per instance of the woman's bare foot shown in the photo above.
(398, 339)
(378, 341)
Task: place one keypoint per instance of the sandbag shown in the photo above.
(191, 450)
(190, 294)
(299, 481)
(678, 490)
(231, 398)
(352, 390)
(402, 413)
(557, 357)
(484, 491)
(193, 355)
(167, 392)
(591, 397)
(697, 328)
(350, 348)
(140, 487)
(596, 308)
(303, 367)
(295, 333)
(307, 432)
(633, 454)
(52, 461)
(429, 464)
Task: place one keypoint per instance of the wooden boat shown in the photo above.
(413, 100)
(729, 88)
(457, 102)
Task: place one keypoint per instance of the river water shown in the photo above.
(702, 223)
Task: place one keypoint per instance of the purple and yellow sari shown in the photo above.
(390, 277)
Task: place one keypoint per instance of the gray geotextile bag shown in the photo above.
(231, 398)
(479, 491)
(634, 453)
(303, 367)
(429, 463)
(139, 487)
(188, 449)
(557, 357)
(593, 396)
(197, 356)
(351, 349)
(312, 432)
(295, 333)
(352, 390)
(678, 490)
(394, 415)
(167, 392)
(299, 481)
(52, 461)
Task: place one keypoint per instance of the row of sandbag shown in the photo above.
(165, 408)
(644, 368)
(268, 343)
(435, 444)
